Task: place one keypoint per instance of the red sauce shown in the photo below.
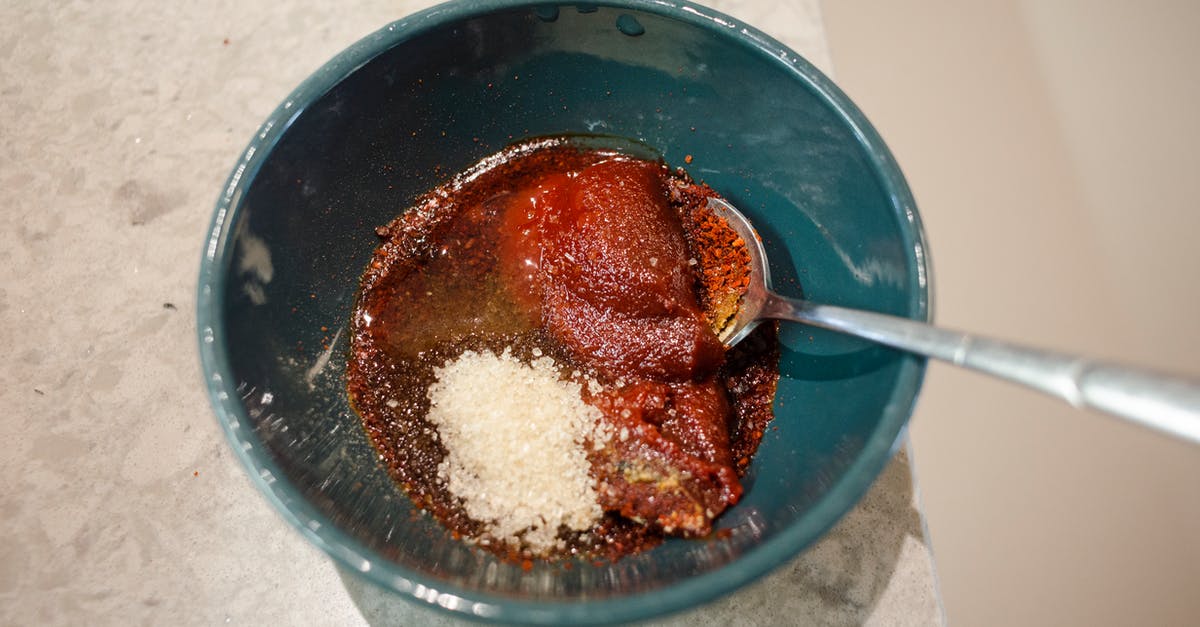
(590, 257)
(603, 260)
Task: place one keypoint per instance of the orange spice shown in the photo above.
(722, 259)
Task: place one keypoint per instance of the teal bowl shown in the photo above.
(395, 115)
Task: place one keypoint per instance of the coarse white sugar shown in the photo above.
(516, 439)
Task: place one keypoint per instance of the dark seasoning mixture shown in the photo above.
(611, 266)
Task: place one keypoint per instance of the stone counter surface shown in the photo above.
(120, 502)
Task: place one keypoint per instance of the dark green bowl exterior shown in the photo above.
(400, 111)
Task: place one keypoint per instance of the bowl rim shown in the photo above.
(464, 602)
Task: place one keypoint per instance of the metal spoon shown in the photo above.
(1168, 404)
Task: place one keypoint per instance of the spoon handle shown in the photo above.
(1168, 404)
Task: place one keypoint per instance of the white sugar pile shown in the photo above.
(516, 438)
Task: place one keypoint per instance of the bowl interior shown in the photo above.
(408, 107)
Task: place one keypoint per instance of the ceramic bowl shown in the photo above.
(403, 109)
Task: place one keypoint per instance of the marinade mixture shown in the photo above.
(609, 270)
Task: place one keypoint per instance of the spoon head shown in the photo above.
(750, 308)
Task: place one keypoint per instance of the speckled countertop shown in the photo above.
(119, 501)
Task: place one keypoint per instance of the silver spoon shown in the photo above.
(1168, 404)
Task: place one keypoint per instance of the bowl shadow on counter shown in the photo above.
(839, 580)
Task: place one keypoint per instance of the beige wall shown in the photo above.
(1052, 148)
